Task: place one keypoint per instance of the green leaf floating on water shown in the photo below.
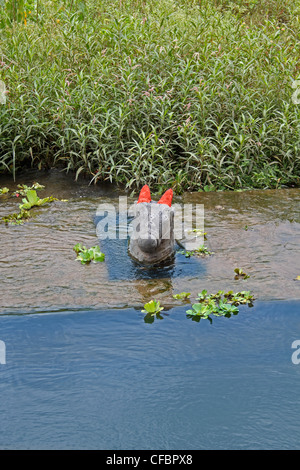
(152, 307)
(4, 191)
(219, 304)
(87, 255)
(201, 251)
(33, 200)
(30, 200)
(182, 295)
(239, 274)
(16, 218)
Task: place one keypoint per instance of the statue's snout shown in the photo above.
(148, 245)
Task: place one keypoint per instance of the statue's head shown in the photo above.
(152, 239)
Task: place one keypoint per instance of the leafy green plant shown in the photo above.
(182, 296)
(218, 304)
(239, 274)
(4, 191)
(32, 200)
(17, 218)
(201, 251)
(153, 307)
(23, 189)
(203, 295)
(86, 255)
(97, 101)
(243, 297)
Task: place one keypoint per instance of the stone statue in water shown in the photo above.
(152, 239)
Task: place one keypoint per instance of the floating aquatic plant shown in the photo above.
(243, 297)
(23, 188)
(32, 200)
(17, 218)
(201, 251)
(152, 311)
(219, 304)
(4, 191)
(182, 295)
(86, 255)
(152, 307)
(239, 274)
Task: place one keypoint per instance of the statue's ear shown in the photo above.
(145, 195)
(166, 198)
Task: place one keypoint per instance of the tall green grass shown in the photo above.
(190, 94)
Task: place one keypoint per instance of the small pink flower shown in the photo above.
(17, 194)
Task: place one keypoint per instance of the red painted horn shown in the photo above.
(145, 195)
(166, 198)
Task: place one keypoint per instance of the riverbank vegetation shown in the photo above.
(193, 95)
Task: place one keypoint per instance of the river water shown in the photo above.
(82, 368)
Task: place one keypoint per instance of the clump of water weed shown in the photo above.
(30, 200)
(88, 255)
(219, 304)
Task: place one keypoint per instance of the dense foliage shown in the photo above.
(183, 93)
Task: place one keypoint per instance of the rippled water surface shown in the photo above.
(108, 380)
(84, 370)
(258, 231)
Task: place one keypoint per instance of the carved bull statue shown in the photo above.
(152, 239)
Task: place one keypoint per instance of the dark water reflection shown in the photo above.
(258, 231)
